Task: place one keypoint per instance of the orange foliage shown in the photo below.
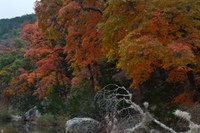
(76, 22)
(177, 75)
(184, 98)
(8, 92)
(144, 36)
(141, 36)
(47, 61)
(82, 39)
(139, 57)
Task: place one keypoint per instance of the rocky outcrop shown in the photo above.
(16, 118)
(83, 125)
(31, 114)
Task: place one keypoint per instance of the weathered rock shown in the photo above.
(16, 117)
(31, 114)
(83, 125)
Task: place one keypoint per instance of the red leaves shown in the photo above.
(177, 75)
(47, 60)
(70, 7)
(28, 31)
(142, 36)
(82, 39)
(184, 98)
(46, 64)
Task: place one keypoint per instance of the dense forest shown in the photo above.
(10, 30)
(76, 47)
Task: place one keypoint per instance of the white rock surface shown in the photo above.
(83, 125)
(31, 114)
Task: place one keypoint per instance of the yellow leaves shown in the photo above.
(151, 35)
(117, 21)
(170, 21)
(140, 73)
(139, 57)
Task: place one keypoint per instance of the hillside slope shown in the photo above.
(10, 32)
(10, 28)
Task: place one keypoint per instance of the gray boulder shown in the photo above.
(31, 114)
(16, 117)
(83, 125)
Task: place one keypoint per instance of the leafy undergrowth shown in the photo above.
(51, 121)
(5, 116)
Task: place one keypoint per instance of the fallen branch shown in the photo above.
(115, 100)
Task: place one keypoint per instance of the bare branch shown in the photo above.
(117, 100)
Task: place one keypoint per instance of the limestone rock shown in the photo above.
(83, 125)
(16, 117)
(31, 114)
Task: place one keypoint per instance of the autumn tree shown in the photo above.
(47, 59)
(151, 37)
(147, 35)
(76, 21)
(142, 38)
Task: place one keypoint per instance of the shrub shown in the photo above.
(5, 116)
(56, 102)
(46, 120)
(80, 102)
